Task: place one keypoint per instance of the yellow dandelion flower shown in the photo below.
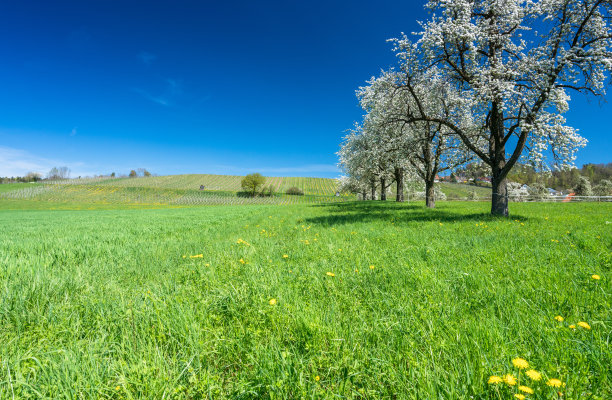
(207, 265)
(372, 267)
(356, 270)
(572, 326)
(526, 389)
(584, 325)
(285, 256)
(510, 379)
(117, 387)
(494, 380)
(339, 249)
(596, 277)
(520, 363)
(554, 383)
(184, 256)
(520, 396)
(272, 302)
(534, 375)
(242, 261)
(559, 318)
(197, 256)
(330, 274)
(317, 378)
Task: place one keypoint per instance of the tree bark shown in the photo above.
(430, 194)
(399, 180)
(383, 189)
(499, 201)
(373, 190)
(363, 195)
(497, 154)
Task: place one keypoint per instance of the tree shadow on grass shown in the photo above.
(400, 213)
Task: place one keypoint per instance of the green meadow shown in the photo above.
(351, 300)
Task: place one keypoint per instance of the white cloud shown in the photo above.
(156, 99)
(172, 89)
(146, 57)
(17, 162)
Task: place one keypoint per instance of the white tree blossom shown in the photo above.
(422, 147)
(510, 64)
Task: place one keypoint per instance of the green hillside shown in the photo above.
(104, 194)
(183, 190)
(463, 191)
(310, 186)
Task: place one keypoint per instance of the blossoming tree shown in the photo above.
(511, 64)
(423, 148)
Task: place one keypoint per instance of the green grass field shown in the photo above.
(347, 300)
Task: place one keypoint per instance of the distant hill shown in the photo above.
(185, 190)
(229, 183)
(172, 190)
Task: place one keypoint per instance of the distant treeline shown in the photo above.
(526, 174)
(560, 180)
(64, 173)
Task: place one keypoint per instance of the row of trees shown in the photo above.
(485, 80)
(137, 172)
(54, 173)
(59, 173)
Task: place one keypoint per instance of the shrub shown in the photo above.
(604, 188)
(415, 190)
(294, 191)
(538, 191)
(583, 188)
(269, 191)
(516, 192)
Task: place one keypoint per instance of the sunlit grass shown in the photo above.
(352, 300)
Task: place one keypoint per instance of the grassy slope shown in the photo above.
(314, 186)
(462, 190)
(174, 190)
(7, 187)
(103, 194)
(102, 304)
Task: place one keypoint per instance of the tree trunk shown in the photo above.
(383, 189)
(497, 152)
(430, 194)
(363, 195)
(399, 180)
(499, 201)
(373, 190)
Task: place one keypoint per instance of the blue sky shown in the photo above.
(200, 87)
